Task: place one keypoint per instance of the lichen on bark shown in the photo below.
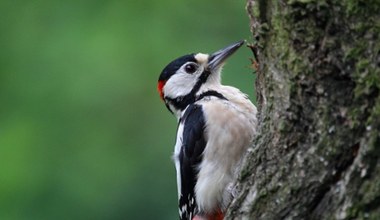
(318, 86)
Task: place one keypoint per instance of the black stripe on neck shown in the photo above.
(182, 102)
(211, 93)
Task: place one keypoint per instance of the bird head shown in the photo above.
(181, 79)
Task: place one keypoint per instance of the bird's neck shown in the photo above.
(207, 81)
(179, 105)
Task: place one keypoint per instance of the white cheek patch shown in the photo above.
(179, 84)
(202, 58)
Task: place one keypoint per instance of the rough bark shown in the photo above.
(318, 89)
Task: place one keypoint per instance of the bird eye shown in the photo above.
(190, 68)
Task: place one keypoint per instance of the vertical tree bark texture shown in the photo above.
(317, 155)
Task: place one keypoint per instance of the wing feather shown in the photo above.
(190, 156)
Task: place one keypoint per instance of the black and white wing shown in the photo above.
(188, 155)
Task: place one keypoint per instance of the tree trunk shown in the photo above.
(318, 90)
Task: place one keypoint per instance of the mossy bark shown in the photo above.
(317, 154)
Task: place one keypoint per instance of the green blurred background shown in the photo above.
(83, 133)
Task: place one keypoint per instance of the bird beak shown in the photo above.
(217, 59)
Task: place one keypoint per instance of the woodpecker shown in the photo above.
(216, 124)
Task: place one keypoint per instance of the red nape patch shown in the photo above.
(160, 86)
